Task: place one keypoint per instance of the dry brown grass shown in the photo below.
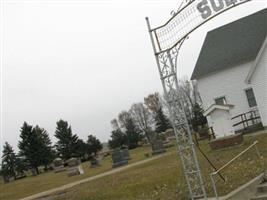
(160, 179)
(48, 180)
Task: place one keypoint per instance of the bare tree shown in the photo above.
(187, 96)
(153, 103)
(115, 124)
(189, 92)
(143, 119)
(123, 118)
(191, 101)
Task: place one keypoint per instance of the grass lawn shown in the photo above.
(48, 180)
(162, 179)
(159, 179)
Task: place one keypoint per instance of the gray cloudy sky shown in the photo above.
(85, 61)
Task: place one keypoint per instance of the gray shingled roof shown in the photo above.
(232, 44)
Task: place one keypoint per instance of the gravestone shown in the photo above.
(94, 162)
(169, 132)
(118, 158)
(126, 154)
(33, 171)
(157, 147)
(73, 162)
(20, 175)
(74, 167)
(58, 165)
(167, 143)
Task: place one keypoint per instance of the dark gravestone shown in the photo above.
(157, 147)
(125, 153)
(94, 163)
(118, 158)
(33, 171)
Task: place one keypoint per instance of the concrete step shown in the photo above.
(260, 197)
(262, 188)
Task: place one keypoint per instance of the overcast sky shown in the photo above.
(85, 61)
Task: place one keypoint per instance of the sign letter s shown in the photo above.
(204, 9)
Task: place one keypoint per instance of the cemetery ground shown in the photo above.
(160, 179)
(49, 180)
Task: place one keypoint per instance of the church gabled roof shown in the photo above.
(232, 44)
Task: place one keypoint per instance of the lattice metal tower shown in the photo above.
(166, 59)
(167, 41)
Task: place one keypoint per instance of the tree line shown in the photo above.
(36, 149)
(150, 118)
(143, 120)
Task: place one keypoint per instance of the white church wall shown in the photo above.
(229, 83)
(259, 85)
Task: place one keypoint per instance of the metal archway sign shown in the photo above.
(166, 42)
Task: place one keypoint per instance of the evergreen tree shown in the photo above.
(20, 165)
(130, 129)
(31, 146)
(67, 142)
(118, 139)
(198, 119)
(46, 150)
(81, 148)
(94, 145)
(8, 162)
(162, 122)
(132, 133)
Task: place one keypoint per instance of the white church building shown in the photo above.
(231, 72)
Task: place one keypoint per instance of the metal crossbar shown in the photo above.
(230, 162)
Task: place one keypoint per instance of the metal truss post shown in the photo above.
(166, 62)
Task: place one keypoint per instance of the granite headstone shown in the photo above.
(58, 165)
(74, 167)
(118, 158)
(157, 147)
